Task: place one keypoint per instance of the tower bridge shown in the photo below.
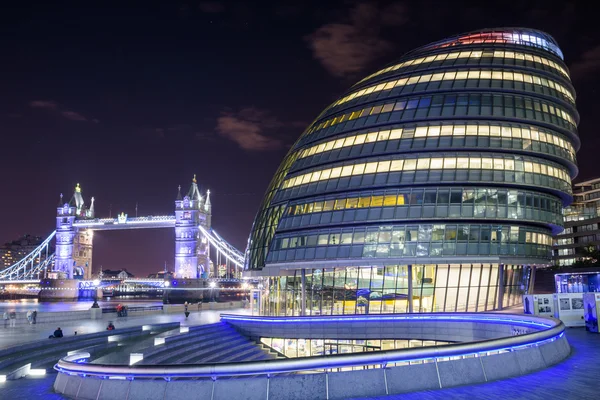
(75, 225)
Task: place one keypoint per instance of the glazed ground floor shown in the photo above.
(396, 289)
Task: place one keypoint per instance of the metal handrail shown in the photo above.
(554, 330)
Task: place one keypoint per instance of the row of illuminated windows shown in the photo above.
(408, 249)
(565, 262)
(458, 75)
(440, 196)
(420, 145)
(452, 101)
(416, 179)
(293, 348)
(415, 164)
(525, 39)
(564, 242)
(420, 212)
(417, 233)
(472, 54)
(482, 129)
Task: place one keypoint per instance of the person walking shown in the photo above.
(5, 318)
(186, 312)
(13, 318)
(34, 316)
(30, 317)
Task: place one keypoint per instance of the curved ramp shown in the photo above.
(488, 347)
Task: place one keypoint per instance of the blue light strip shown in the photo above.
(547, 331)
(383, 318)
(346, 363)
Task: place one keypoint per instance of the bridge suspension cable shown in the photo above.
(230, 252)
(32, 265)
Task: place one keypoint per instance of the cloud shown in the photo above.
(348, 47)
(247, 128)
(48, 105)
(73, 116)
(211, 7)
(588, 64)
(55, 108)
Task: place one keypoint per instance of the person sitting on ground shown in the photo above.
(58, 333)
(110, 326)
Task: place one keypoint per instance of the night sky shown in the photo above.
(131, 100)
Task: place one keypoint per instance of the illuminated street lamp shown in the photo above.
(95, 283)
(246, 298)
(212, 286)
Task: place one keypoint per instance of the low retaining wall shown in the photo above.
(512, 352)
(337, 385)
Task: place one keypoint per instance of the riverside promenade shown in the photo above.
(25, 333)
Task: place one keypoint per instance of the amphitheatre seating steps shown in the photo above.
(39, 352)
(200, 346)
(207, 343)
(199, 354)
(182, 342)
(225, 353)
(96, 350)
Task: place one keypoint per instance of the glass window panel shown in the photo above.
(352, 203)
(449, 163)
(389, 200)
(371, 168)
(376, 201)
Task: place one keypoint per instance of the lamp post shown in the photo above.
(245, 292)
(212, 286)
(96, 283)
(166, 299)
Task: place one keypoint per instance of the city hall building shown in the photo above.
(433, 184)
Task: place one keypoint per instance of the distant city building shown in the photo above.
(14, 251)
(119, 274)
(582, 232)
(161, 275)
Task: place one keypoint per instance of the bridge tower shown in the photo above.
(83, 246)
(73, 247)
(187, 218)
(204, 263)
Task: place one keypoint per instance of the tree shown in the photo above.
(590, 257)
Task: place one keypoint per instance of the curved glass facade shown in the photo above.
(458, 156)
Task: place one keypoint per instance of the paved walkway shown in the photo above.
(574, 378)
(30, 333)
